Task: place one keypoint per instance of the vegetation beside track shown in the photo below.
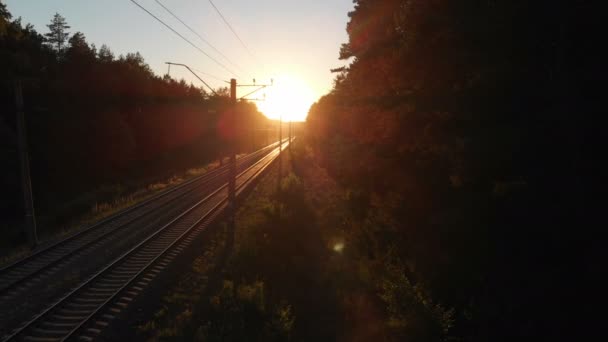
(95, 206)
(297, 272)
(100, 127)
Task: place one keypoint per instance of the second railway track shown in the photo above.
(94, 242)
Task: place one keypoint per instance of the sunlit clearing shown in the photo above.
(289, 97)
(338, 247)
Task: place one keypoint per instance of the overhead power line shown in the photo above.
(210, 75)
(197, 34)
(201, 72)
(184, 38)
(233, 31)
(193, 73)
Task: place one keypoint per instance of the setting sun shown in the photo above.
(324, 170)
(289, 97)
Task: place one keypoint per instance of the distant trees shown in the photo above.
(5, 16)
(105, 55)
(4, 13)
(78, 43)
(58, 34)
(94, 118)
(79, 50)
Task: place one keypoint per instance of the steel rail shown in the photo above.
(130, 282)
(125, 255)
(142, 244)
(208, 176)
(90, 242)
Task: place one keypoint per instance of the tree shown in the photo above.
(79, 49)
(468, 107)
(4, 13)
(78, 42)
(86, 105)
(58, 34)
(135, 62)
(79, 52)
(5, 16)
(105, 54)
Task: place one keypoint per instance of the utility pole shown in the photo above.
(26, 182)
(232, 149)
(258, 88)
(233, 140)
(280, 147)
(253, 132)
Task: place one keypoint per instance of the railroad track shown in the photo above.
(11, 275)
(53, 322)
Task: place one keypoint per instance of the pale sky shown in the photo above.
(295, 42)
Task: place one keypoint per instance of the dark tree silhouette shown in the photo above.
(58, 34)
(105, 54)
(79, 50)
(5, 16)
(470, 125)
(96, 120)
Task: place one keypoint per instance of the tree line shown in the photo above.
(94, 118)
(463, 133)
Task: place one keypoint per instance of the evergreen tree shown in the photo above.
(78, 42)
(58, 34)
(5, 16)
(105, 54)
(79, 48)
(4, 13)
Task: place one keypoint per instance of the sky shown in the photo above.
(293, 42)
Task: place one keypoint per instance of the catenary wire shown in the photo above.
(184, 38)
(197, 34)
(233, 31)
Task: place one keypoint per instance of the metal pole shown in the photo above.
(28, 200)
(193, 73)
(280, 147)
(232, 149)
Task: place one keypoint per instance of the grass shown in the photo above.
(15, 254)
(117, 199)
(180, 315)
(173, 319)
(292, 275)
(274, 281)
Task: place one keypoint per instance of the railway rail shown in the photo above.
(150, 252)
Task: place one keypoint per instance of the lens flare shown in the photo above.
(289, 97)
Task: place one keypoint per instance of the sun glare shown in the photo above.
(289, 97)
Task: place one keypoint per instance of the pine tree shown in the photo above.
(105, 54)
(5, 17)
(78, 50)
(4, 13)
(58, 34)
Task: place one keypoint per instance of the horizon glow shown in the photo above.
(295, 43)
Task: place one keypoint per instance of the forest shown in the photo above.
(96, 120)
(462, 132)
(443, 190)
